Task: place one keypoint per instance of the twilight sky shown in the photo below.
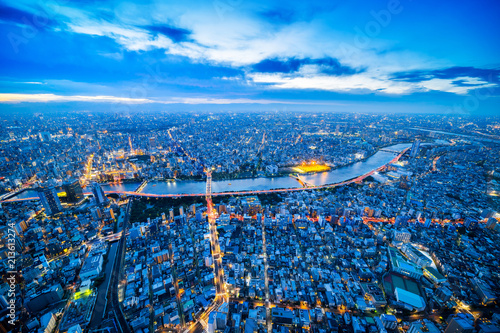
(385, 56)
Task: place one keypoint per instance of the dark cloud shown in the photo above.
(38, 19)
(489, 75)
(277, 66)
(175, 34)
(328, 66)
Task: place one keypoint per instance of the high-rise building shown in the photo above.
(388, 321)
(96, 213)
(44, 136)
(212, 324)
(98, 193)
(470, 223)
(221, 320)
(402, 236)
(460, 324)
(74, 192)
(414, 148)
(492, 222)
(487, 213)
(50, 200)
(152, 142)
(400, 221)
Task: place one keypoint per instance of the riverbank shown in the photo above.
(177, 188)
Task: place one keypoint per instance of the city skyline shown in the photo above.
(388, 56)
(231, 166)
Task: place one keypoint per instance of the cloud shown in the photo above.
(484, 75)
(277, 66)
(357, 83)
(327, 65)
(366, 82)
(175, 34)
(44, 98)
(22, 17)
(133, 39)
(258, 46)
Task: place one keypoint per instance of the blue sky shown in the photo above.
(381, 56)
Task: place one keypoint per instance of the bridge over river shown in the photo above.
(355, 172)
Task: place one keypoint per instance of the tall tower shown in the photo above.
(414, 148)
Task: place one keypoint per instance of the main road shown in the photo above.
(114, 306)
(102, 290)
(221, 295)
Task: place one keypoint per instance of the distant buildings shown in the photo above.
(44, 136)
(272, 169)
(50, 200)
(325, 250)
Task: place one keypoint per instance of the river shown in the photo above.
(261, 183)
(268, 183)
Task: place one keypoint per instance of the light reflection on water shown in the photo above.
(252, 184)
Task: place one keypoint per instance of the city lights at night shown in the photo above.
(249, 166)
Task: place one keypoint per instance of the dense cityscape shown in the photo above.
(409, 244)
(257, 166)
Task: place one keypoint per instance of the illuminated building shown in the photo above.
(434, 275)
(74, 192)
(416, 256)
(50, 200)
